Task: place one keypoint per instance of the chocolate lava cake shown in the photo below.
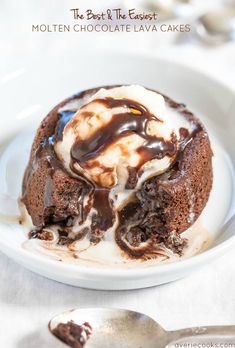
(164, 206)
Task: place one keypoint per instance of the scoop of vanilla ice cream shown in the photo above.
(111, 165)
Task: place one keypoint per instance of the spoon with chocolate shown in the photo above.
(107, 327)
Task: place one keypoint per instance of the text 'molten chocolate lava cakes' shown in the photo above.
(122, 163)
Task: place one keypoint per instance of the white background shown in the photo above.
(28, 301)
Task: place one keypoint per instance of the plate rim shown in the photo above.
(135, 272)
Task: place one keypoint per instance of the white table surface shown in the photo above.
(28, 301)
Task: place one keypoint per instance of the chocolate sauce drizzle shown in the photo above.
(64, 117)
(105, 216)
(134, 120)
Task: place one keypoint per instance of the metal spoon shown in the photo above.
(119, 328)
(217, 27)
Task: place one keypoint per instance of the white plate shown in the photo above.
(28, 93)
